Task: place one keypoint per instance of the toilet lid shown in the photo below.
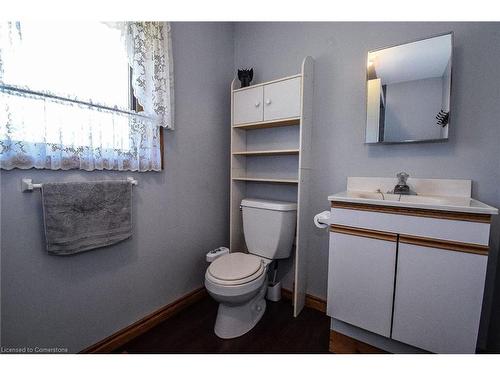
(235, 266)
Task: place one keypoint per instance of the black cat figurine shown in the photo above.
(245, 76)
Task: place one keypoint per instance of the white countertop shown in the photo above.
(430, 202)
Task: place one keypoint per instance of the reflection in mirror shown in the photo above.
(408, 91)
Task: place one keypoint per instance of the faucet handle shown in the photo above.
(402, 177)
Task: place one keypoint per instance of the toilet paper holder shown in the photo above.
(322, 219)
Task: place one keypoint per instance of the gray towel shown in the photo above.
(81, 216)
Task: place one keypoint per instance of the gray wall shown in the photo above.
(339, 50)
(179, 214)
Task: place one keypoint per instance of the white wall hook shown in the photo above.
(133, 181)
(28, 185)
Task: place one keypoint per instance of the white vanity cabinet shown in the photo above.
(409, 274)
(437, 304)
(361, 280)
(276, 100)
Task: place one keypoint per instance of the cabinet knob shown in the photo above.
(268, 101)
(257, 104)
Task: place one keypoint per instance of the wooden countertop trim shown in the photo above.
(411, 240)
(360, 232)
(411, 211)
(444, 244)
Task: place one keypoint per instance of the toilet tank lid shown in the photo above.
(269, 205)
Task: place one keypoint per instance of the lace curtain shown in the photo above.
(150, 56)
(56, 122)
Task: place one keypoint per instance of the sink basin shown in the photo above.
(398, 197)
(376, 196)
(460, 204)
(432, 194)
(428, 200)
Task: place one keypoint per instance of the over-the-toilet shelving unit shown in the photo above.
(270, 155)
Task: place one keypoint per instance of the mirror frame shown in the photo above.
(436, 140)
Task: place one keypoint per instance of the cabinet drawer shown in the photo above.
(429, 227)
(248, 106)
(438, 298)
(282, 99)
(361, 281)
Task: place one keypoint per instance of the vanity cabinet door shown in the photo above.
(282, 99)
(437, 305)
(248, 106)
(361, 280)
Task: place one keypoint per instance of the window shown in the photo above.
(65, 95)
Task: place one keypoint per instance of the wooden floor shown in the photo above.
(192, 331)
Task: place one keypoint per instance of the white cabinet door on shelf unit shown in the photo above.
(282, 99)
(438, 298)
(361, 281)
(248, 106)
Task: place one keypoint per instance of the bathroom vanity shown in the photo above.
(407, 272)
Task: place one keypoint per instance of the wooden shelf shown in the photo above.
(267, 152)
(271, 180)
(269, 124)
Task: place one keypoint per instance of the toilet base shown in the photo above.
(236, 320)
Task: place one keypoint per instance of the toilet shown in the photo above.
(238, 281)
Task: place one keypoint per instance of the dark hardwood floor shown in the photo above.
(192, 331)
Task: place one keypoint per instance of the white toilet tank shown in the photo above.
(269, 227)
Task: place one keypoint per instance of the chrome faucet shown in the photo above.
(401, 187)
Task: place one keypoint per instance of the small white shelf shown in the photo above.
(291, 121)
(271, 180)
(267, 83)
(267, 152)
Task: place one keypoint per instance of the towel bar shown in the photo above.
(28, 185)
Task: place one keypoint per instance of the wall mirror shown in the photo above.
(408, 91)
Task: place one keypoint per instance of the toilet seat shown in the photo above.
(235, 269)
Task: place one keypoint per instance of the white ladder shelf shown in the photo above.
(274, 152)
